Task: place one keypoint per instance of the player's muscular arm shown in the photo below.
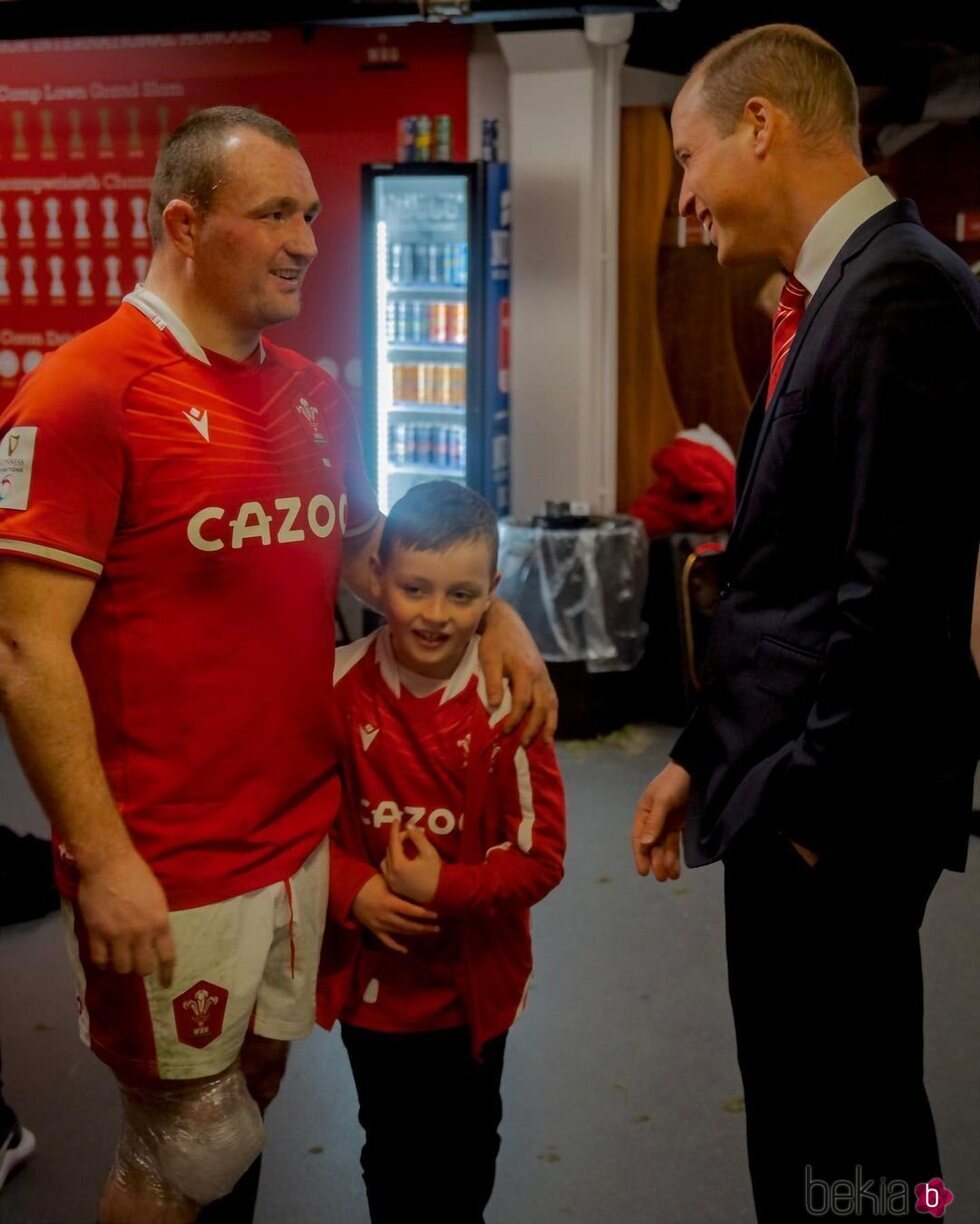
(47, 712)
(356, 564)
(507, 649)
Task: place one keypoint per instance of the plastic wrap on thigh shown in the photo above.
(188, 1139)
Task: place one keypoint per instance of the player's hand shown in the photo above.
(657, 825)
(385, 915)
(418, 877)
(125, 913)
(507, 649)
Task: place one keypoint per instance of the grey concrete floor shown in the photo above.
(621, 1091)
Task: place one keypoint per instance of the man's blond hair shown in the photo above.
(791, 66)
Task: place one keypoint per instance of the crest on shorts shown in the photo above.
(199, 1014)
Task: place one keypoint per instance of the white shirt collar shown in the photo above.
(163, 316)
(824, 242)
(395, 675)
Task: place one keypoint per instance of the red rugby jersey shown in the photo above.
(209, 499)
(494, 811)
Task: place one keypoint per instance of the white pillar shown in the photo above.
(564, 155)
(488, 93)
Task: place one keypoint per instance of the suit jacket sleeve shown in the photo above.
(901, 378)
(688, 747)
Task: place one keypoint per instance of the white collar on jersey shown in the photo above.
(468, 666)
(163, 316)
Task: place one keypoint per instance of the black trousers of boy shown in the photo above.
(430, 1114)
(825, 977)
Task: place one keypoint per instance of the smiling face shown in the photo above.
(722, 183)
(434, 601)
(253, 247)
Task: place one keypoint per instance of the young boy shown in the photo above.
(451, 832)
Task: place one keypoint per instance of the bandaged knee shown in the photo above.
(189, 1140)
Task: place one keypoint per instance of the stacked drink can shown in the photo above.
(428, 263)
(418, 141)
(443, 147)
(417, 444)
(426, 323)
(429, 383)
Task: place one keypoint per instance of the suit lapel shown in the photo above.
(760, 420)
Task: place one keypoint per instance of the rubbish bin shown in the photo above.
(579, 585)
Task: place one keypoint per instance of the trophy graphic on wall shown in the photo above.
(56, 269)
(79, 207)
(4, 283)
(76, 145)
(20, 137)
(25, 230)
(105, 135)
(83, 266)
(141, 266)
(113, 289)
(49, 150)
(135, 143)
(137, 206)
(52, 231)
(110, 230)
(28, 286)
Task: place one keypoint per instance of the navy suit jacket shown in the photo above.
(840, 702)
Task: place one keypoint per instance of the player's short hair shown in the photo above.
(795, 68)
(191, 166)
(436, 515)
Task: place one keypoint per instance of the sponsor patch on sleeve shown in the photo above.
(16, 463)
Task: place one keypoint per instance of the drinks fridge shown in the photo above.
(437, 326)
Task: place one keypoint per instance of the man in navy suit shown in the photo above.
(830, 761)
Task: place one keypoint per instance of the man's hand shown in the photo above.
(416, 878)
(507, 649)
(659, 819)
(385, 915)
(125, 913)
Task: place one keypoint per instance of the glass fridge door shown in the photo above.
(422, 256)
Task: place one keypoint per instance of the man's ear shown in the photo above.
(181, 223)
(760, 115)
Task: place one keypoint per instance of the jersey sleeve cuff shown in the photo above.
(51, 556)
(353, 532)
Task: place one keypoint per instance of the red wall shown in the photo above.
(341, 93)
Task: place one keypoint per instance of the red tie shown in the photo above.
(784, 324)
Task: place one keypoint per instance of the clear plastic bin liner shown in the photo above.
(579, 589)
